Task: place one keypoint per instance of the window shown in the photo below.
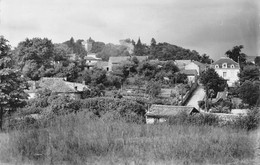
(224, 65)
(224, 74)
(232, 66)
(216, 66)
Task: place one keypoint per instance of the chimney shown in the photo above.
(84, 82)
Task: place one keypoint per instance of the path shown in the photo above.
(198, 95)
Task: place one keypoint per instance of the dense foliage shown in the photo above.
(211, 80)
(12, 85)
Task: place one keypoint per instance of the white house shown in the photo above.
(195, 65)
(227, 69)
(91, 60)
(191, 74)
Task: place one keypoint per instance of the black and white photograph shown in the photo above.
(129, 82)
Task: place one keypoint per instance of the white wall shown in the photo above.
(231, 75)
(193, 66)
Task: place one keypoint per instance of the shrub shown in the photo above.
(249, 122)
(195, 119)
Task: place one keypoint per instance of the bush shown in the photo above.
(249, 122)
(195, 119)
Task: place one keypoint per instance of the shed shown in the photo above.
(159, 113)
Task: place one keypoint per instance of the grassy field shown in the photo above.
(82, 139)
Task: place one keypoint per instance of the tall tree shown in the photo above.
(249, 72)
(249, 92)
(139, 49)
(153, 47)
(36, 52)
(12, 85)
(211, 80)
(236, 54)
(257, 61)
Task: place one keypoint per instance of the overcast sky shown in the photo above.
(208, 26)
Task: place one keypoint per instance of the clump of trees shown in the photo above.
(12, 84)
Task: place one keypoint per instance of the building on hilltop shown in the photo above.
(88, 44)
(227, 69)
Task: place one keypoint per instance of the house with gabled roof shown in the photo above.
(227, 69)
(58, 86)
(182, 63)
(160, 113)
(91, 60)
(199, 67)
(191, 74)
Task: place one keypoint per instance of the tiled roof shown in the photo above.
(169, 110)
(192, 72)
(101, 64)
(60, 86)
(92, 57)
(227, 60)
(182, 62)
(202, 66)
(118, 59)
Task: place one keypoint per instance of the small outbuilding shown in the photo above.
(159, 113)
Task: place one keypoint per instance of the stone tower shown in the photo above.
(88, 44)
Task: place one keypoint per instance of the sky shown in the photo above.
(207, 26)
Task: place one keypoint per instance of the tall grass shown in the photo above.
(82, 138)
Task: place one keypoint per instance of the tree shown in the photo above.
(236, 54)
(249, 92)
(205, 59)
(139, 48)
(211, 80)
(12, 85)
(33, 54)
(77, 47)
(249, 72)
(257, 60)
(61, 52)
(97, 47)
(153, 89)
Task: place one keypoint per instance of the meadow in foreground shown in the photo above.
(83, 138)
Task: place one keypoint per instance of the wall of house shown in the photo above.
(229, 74)
(193, 66)
(32, 95)
(191, 79)
(151, 120)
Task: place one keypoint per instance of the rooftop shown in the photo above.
(169, 110)
(189, 72)
(227, 60)
(59, 85)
